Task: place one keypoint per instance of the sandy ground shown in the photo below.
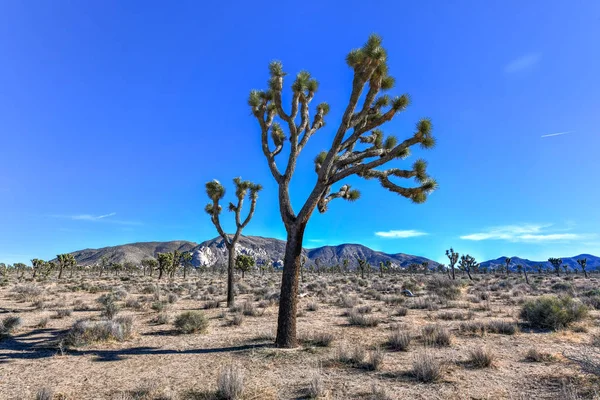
(186, 366)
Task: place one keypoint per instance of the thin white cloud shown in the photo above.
(556, 134)
(400, 234)
(524, 233)
(89, 217)
(316, 240)
(97, 218)
(522, 63)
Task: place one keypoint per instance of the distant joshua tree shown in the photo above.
(37, 265)
(452, 259)
(467, 263)
(362, 267)
(165, 262)
(583, 263)
(507, 261)
(358, 148)
(65, 261)
(556, 263)
(244, 263)
(216, 192)
(149, 265)
(186, 261)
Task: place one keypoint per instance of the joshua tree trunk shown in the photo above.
(230, 267)
(526, 277)
(160, 273)
(60, 271)
(288, 303)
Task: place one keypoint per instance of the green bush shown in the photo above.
(191, 322)
(550, 312)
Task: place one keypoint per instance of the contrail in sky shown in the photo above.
(556, 134)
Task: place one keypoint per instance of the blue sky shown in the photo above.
(113, 115)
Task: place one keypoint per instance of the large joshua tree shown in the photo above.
(359, 148)
(215, 192)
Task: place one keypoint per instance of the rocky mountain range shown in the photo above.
(265, 250)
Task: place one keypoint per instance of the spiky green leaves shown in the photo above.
(401, 102)
(210, 209)
(324, 108)
(255, 98)
(277, 134)
(387, 82)
(319, 160)
(241, 190)
(424, 128)
(382, 101)
(276, 69)
(371, 50)
(215, 190)
(304, 82)
(352, 195)
(420, 169)
(390, 142)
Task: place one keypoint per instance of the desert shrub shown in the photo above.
(436, 335)
(27, 292)
(592, 302)
(120, 293)
(86, 332)
(249, 309)
(401, 311)
(62, 313)
(110, 308)
(474, 327)
(364, 309)
(237, 320)
(375, 360)
(379, 393)
(312, 306)
(357, 319)
(161, 319)
(394, 300)
(319, 339)
(426, 368)
(350, 355)
(501, 327)
(562, 287)
(211, 304)
(9, 324)
(444, 287)
(316, 387)
(230, 383)
(550, 312)
(191, 322)
(172, 298)
(134, 304)
(454, 315)
(44, 394)
(399, 340)
(347, 301)
(534, 355)
(42, 323)
(480, 357)
(80, 305)
(159, 306)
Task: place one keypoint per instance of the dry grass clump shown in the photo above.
(318, 339)
(316, 387)
(501, 327)
(62, 313)
(481, 357)
(473, 327)
(426, 368)
(454, 315)
(191, 322)
(346, 301)
(399, 340)
(350, 355)
(312, 306)
(230, 383)
(355, 318)
(375, 360)
(436, 335)
(44, 394)
(379, 393)
(27, 292)
(211, 304)
(401, 311)
(534, 355)
(9, 324)
(86, 332)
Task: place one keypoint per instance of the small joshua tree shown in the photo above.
(556, 263)
(149, 265)
(467, 263)
(452, 259)
(65, 261)
(244, 263)
(215, 192)
(359, 148)
(523, 268)
(37, 265)
(186, 261)
(583, 264)
(165, 263)
(507, 261)
(362, 267)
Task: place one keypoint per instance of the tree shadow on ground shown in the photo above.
(31, 346)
